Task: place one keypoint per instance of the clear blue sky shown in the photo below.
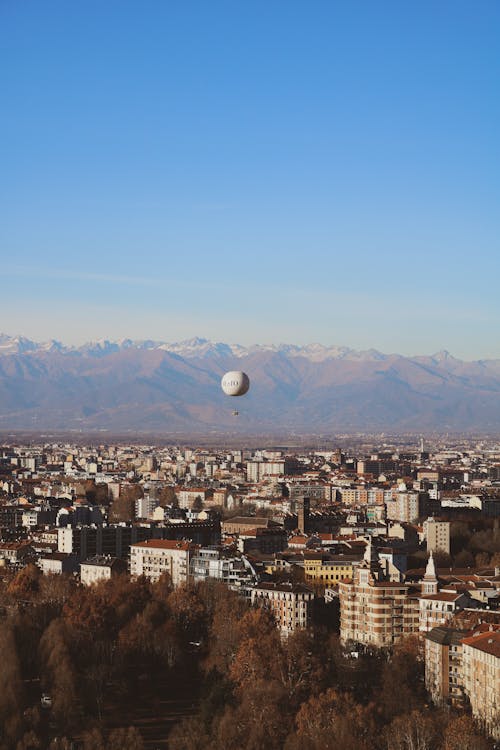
(252, 171)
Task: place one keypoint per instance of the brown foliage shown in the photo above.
(61, 673)
(26, 583)
(259, 721)
(414, 731)
(333, 720)
(188, 611)
(125, 739)
(461, 734)
(10, 682)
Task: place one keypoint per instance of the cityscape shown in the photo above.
(249, 375)
(173, 596)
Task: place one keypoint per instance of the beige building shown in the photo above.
(101, 568)
(290, 604)
(462, 666)
(157, 556)
(373, 610)
(481, 679)
(188, 497)
(443, 666)
(437, 535)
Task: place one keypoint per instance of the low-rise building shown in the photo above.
(101, 568)
(58, 563)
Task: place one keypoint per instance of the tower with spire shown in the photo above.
(370, 569)
(430, 581)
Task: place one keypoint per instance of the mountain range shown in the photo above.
(154, 386)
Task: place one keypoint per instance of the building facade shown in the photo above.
(290, 603)
(157, 556)
(375, 611)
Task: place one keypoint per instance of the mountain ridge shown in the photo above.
(156, 386)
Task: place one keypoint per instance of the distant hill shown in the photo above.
(160, 387)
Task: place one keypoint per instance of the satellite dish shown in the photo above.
(235, 383)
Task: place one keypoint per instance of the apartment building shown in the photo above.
(101, 568)
(443, 666)
(437, 535)
(464, 666)
(290, 603)
(481, 678)
(157, 556)
(330, 569)
(373, 610)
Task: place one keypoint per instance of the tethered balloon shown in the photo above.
(235, 383)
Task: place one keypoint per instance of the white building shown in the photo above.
(157, 556)
(231, 570)
(99, 568)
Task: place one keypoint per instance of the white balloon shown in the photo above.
(235, 383)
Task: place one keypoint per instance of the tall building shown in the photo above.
(481, 679)
(462, 666)
(437, 535)
(373, 610)
(443, 666)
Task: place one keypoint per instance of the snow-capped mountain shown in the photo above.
(150, 385)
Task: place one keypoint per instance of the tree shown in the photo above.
(125, 739)
(29, 741)
(414, 731)
(188, 612)
(26, 583)
(198, 503)
(259, 721)
(123, 507)
(190, 734)
(299, 668)
(93, 740)
(333, 720)
(401, 682)
(61, 673)
(461, 734)
(10, 684)
(167, 496)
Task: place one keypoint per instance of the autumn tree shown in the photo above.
(26, 583)
(123, 507)
(401, 689)
(93, 740)
(299, 666)
(10, 685)
(125, 739)
(167, 496)
(59, 667)
(333, 720)
(461, 734)
(260, 719)
(413, 731)
(188, 612)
